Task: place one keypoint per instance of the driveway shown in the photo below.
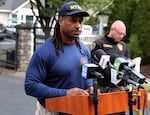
(13, 100)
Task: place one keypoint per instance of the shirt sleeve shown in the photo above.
(35, 76)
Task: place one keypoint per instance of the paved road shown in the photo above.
(13, 100)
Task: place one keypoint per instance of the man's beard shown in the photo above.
(76, 38)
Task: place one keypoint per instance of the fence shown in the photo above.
(8, 49)
(16, 53)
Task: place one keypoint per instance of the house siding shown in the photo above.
(4, 18)
(22, 11)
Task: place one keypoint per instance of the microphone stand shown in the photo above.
(138, 99)
(95, 75)
(130, 101)
(95, 97)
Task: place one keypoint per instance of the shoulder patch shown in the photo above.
(120, 47)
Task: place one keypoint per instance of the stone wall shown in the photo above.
(23, 46)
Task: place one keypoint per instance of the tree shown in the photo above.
(47, 11)
(137, 19)
(96, 8)
(141, 26)
(123, 10)
(2, 2)
(46, 14)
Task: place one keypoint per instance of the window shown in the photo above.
(29, 20)
(14, 18)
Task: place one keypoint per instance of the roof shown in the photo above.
(11, 4)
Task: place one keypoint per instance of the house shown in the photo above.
(15, 12)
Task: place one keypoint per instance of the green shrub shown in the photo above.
(134, 46)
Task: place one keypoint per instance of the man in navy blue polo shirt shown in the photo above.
(54, 69)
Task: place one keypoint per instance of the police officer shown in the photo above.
(111, 44)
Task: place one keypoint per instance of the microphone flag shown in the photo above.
(118, 63)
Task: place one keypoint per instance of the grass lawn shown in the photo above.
(147, 88)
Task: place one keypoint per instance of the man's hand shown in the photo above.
(76, 91)
(90, 90)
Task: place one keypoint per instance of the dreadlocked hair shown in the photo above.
(58, 43)
(57, 40)
(79, 46)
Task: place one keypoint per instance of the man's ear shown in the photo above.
(60, 20)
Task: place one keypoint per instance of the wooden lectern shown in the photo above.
(108, 103)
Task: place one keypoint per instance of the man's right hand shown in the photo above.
(76, 91)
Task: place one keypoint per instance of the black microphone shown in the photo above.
(99, 53)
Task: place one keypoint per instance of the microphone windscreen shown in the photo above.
(99, 53)
(113, 57)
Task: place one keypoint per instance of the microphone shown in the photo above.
(103, 58)
(99, 53)
(116, 68)
(120, 64)
(91, 71)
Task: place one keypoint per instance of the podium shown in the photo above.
(108, 103)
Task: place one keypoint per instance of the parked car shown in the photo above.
(11, 28)
(6, 33)
(86, 30)
(2, 32)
